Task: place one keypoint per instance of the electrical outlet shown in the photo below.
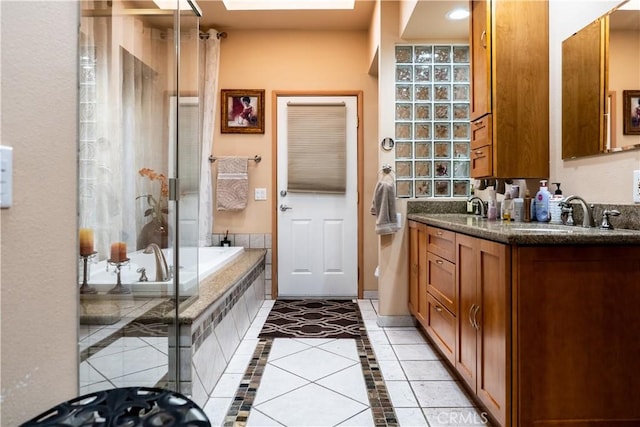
(636, 186)
(260, 194)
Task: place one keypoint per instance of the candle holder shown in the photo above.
(118, 288)
(85, 288)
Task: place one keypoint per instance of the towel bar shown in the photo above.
(257, 158)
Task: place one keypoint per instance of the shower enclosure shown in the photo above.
(139, 161)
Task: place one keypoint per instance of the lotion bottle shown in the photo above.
(542, 203)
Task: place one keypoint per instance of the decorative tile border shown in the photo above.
(379, 400)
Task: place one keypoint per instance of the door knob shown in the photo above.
(284, 208)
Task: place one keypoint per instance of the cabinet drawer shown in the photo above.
(481, 162)
(441, 327)
(442, 243)
(441, 281)
(481, 132)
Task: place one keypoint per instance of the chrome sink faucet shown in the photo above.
(162, 270)
(587, 210)
(481, 206)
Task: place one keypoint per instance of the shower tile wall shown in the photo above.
(432, 128)
(254, 241)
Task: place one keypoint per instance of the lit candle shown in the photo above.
(86, 241)
(118, 252)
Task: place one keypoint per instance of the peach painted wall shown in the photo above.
(38, 283)
(624, 74)
(295, 61)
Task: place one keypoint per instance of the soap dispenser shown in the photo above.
(542, 203)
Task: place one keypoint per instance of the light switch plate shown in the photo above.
(260, 194)
(6, 176)
(636, 186)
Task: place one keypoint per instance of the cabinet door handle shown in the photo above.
(478, 153)
(439, 233)
(438, 309)
(470, 314)
(483, 39)
(475, 318)
(439, 261)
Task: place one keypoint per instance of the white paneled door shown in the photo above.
(317, 231)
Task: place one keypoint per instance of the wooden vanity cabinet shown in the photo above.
(418, 271)
(509, 42)
(432, 287)
(576, 345)
(541, 335)
(442, 292)
(483, 335)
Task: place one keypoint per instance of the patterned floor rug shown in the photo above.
(287, 320)
(312, 319)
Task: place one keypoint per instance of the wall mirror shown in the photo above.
(599, 63)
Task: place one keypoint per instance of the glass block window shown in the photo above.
(432, 128)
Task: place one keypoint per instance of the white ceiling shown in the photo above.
(428, 20)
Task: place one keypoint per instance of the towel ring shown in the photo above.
(387, 144)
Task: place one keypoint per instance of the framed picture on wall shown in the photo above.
(242, 111)
(631, 104)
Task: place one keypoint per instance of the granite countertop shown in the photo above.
(109, 309)
(527, 233)
(218, 283)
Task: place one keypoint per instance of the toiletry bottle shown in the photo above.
(492, 209)
(506, 209)
(518, 209)
(542, 203)
(526, 208)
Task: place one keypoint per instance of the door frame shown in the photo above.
(274, 177)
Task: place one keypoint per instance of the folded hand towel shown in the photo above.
(233, 184)
(384, 207)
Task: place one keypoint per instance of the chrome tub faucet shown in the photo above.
(162, 270)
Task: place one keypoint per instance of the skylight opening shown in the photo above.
(289, 4)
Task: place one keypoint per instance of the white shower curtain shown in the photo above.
(120, 105)
(209, 67)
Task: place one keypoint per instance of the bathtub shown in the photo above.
(103, 277)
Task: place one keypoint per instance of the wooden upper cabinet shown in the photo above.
(480, 59)
(509, 41)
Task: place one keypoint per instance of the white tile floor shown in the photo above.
(319, 382)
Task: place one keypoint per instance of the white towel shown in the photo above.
(384, 207)
(233, 184)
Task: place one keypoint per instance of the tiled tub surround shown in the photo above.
(251, 241)
(212, 327)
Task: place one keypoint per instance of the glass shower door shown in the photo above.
(137, 266)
